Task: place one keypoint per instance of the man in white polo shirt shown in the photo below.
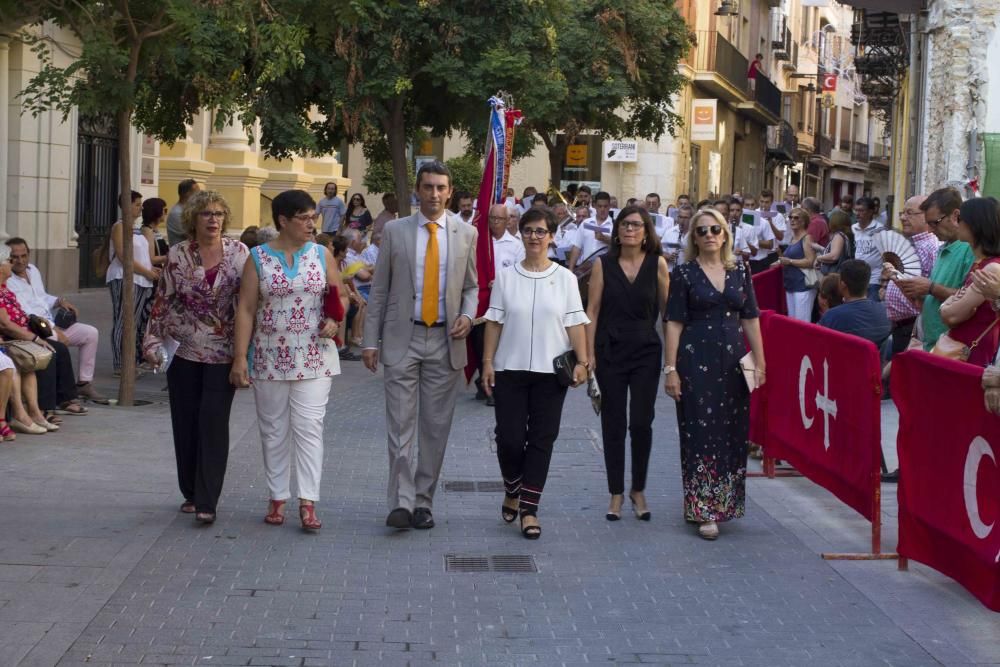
(507, 248)
(660, 221)
(775, 220)
(595, 233)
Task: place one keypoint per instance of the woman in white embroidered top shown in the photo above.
(535, 315)
(282, 325)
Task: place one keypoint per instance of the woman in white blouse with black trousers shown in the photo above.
(535, 315)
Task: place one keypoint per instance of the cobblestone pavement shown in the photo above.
(98, 568)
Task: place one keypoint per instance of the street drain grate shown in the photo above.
(507, 563)
(457, 486)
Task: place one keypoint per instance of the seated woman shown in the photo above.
(25, 415)
(57, 383)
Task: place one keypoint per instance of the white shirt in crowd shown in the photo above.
(353, 258)
(674, 242)
(743, 237)
(534, 308)
(422, 238)
(586, 239)
(31, 295)
(507, 250)
(663, 223)
(762, 232)
(865, 250)
(563, 241)
(780, 224)
(370, 254)
(140, 256)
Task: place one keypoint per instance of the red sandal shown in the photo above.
(274, 515)
(307, 514)
(6, 434)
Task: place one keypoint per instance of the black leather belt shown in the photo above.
(420, 323)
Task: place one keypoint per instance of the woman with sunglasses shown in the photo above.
(358, 216)
(627, 293)
(195, 306)
(293, 357)
(535, 315)
(711, 306)
(798, 256)
(968, 312)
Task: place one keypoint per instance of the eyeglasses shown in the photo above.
(938, 221)
(704, 231)
(498, 218)
(632, 225)
(305, 217)
(212, 214)
(535, 232)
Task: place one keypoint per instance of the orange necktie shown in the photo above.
(429, 309)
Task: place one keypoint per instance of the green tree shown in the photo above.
(614, 71)
(399, 70)
(153, 64)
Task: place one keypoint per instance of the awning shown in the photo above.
(849, 175)
(892, 6)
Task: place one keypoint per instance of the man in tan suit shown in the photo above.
(423, 298)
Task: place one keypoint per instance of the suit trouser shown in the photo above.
(528, 412)
(420, 393)
(627, 399)
(290, 414)
(56, 384)
(200, 400)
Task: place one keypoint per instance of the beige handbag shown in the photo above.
(27, 355)
(946, 346)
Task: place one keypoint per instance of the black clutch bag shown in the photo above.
(564, 365)
(39, 327)
(64, 318)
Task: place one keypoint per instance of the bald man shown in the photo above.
(903, 312)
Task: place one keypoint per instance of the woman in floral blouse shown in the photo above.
(284, 341)
(195, 305)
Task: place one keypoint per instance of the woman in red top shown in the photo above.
(967, 312)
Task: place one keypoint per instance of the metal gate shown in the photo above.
(96, 190)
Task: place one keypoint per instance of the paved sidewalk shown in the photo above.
(98, 568)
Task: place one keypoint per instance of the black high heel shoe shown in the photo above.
(640, 515)
(614, 516)
(530, 532)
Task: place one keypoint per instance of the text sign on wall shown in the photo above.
(621, 151)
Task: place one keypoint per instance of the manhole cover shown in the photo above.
(496, 563)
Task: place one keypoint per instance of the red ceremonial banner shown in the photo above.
(949, 470)
(770, 290)
(822, 408)
(758, 399)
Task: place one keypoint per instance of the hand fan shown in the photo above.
(897, 250)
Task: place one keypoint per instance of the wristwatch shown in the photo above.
(667, 370)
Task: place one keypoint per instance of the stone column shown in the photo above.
(287, 174)
(181, 161)
(238, 176)
(4, 132)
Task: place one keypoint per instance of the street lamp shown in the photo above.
(727, 8)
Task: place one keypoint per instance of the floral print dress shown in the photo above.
(713, 413)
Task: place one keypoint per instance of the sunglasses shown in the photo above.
(704, 231)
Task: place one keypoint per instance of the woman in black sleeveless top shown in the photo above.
(628, 291)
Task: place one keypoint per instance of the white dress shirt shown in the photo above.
(534, 308)
(662, 223)
(781, 225)
(442, 238)
(31, 295)
(507, 251)
(370, 254)
(586, 239)
(763, 232)
(674, 242)
(743, 236)
(563, 241)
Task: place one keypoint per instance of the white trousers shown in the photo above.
(290, 414)
(800, 304)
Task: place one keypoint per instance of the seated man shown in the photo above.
(859, 315)
(26, 283)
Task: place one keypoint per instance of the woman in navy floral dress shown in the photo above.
(711, 306)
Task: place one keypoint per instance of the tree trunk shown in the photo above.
(395, 130)
(126, 387)
(557, 151)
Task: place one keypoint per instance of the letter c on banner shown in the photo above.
(978, 450)
(804, 369)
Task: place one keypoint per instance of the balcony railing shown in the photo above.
(859, 151)
(781, 140)
(845, 145)
(767, 95)
(824, 146)
(714, 53)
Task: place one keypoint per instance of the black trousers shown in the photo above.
(528, 412)
(200, 400)
(758, 265)
(901, 333)
(477, 337)
(57, 383)
(618, 413)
